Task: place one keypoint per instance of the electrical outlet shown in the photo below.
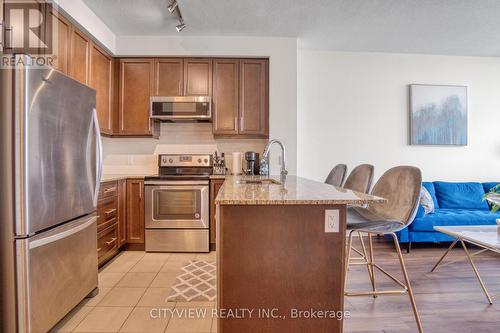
(332, 220)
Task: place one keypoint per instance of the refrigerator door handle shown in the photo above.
(99, 155)
(64, 234)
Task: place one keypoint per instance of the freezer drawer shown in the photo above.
(177, 240)
(55, 271)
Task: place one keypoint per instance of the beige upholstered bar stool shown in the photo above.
(336, 177)
(360, 179)
(401, 187)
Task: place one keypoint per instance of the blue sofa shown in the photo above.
(455, 204)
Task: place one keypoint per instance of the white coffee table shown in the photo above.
(487, 237)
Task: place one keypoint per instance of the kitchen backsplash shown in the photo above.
(136, 155)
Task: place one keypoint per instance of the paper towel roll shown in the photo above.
(237, 163)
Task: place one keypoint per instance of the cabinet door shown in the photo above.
(135, 211)
(254, 112)
(169, 77)
(101, 70)
(79, 62)
(136, 88)
(225, 96)
(197, 77)
(61, 41)
(215, 185)
(122, 212)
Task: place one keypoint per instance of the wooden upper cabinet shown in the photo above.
(135, 211)
(197, 77)
(169, 77)
(79, 62)
(61, 41)
(225, 96)
(136, 88)
(101, 73)
(254, 114)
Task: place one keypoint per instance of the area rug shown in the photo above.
(195, 283)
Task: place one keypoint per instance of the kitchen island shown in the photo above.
(280, 251)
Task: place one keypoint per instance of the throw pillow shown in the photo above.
(426, 201)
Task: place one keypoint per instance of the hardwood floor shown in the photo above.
(449, 300)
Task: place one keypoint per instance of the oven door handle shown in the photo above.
(183, 183)
(171, 187)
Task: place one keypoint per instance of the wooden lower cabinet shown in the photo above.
(120, 221)
(107, 222)
(107, 244)
(135, 212)
(215, 185)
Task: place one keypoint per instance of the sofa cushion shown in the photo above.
(432, 191)
(488, 186)
(460, 195)
(446, 217)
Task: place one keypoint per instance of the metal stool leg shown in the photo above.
(408, 285)
(349, 246)
(365, 257)
(372, 264)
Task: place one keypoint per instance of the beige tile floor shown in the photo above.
(132, 287)
(449, 300)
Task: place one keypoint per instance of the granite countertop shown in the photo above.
(114, 177)
(295, 191)
(218, 176)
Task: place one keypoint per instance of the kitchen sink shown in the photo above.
(267, 181)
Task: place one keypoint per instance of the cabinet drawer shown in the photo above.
(107, 211)
(107, 242)
(108, 189)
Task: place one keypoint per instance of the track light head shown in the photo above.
(172, 7)
(180, 26)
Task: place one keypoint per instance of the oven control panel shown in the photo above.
(185, 160)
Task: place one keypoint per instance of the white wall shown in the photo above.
(353, 108)
(87, 19)
(283, 74)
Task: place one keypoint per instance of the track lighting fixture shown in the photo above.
(172, 7)
(180, 26)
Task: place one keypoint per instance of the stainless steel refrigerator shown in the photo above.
(51, 160)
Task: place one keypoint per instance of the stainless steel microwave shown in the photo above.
(181, 108)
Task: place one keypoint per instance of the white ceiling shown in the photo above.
(457, 27)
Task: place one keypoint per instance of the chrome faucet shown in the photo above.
(264, 162)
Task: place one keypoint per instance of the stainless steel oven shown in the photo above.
(177, 204)
(181, 108)
(177, 215)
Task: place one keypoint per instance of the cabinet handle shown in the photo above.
(109, 211)
(111, 189)
(99, 249)
(111, 241)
